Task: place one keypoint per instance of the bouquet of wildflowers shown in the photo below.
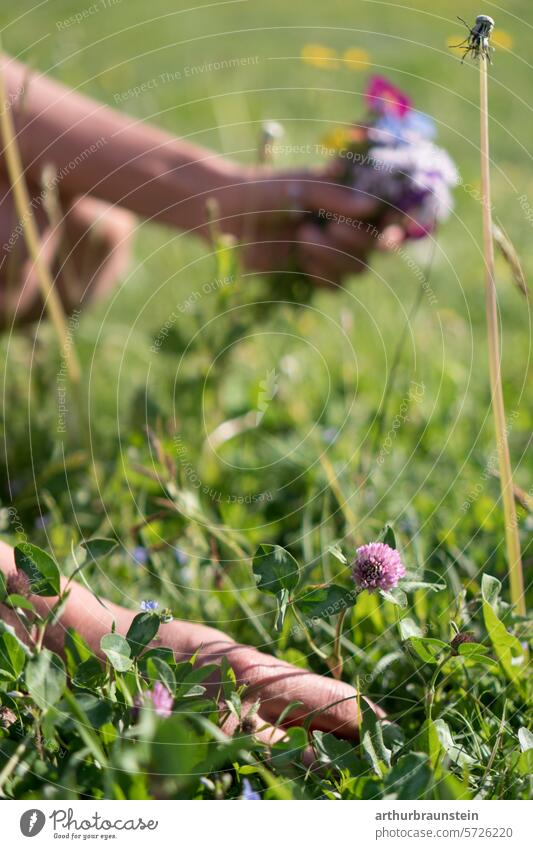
(391, 155)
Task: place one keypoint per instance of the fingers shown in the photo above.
(326, 704)
(265, 733)
(312, 191)
(321, 195)
(327, 255)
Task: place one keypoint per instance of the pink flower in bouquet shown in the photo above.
(383, 98)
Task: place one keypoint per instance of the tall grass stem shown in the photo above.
(31, 236)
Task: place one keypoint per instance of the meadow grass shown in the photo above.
(330, 354)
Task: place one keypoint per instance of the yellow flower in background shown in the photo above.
(320, 56)
(453, 41)
(336, 139)
(501, 38)
(357, 58)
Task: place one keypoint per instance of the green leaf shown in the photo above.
(15, 600)
(281, 609)
(410, 778)
(410, 585)
(408, 628)
(372, 741)
(98, 547)
(450, 787)
(490, 590)
(142, 631)
(12, 657)
(90, 674)
(277, 573)
(395, 596)
(337, 753)
(228, 679)
(178, 750)
(41, 569)
(275, 570)
(427, 648)
(3, 586)
(318, 602)
(389, 537)
(468, 649)
(336, 551)
(45, 678)
(287, 752)
(456, 753)
(158, 670)
(507, 648)
(525, 761)
(83, 726)
(118, 652)
(432, 742)
(525, 738)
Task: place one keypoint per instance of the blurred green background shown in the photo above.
(332, 355)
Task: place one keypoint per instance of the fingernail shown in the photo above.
(392, 237)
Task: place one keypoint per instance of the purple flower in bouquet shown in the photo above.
(420, 176)
(161, 700)
(398, 163)
(377, 566)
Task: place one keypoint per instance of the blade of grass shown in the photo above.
(31, 235)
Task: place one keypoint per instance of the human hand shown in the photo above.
(305, 220)
(323, 703)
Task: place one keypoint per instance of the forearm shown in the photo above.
(85, 614)
(99, 151)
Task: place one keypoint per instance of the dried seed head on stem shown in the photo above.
(512, 539)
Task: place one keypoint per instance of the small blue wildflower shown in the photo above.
(330, 435)
(248, 793)
(42, 521)
(140, 555)
(180, 556)
(149, 605)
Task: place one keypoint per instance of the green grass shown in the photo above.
(331, 355)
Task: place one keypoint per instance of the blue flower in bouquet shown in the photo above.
(407, 129)
(401, 165)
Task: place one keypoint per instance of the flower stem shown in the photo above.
(506, 479)
(430, 697)
(337, 663)
(312, 645)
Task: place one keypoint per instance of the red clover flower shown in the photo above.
(377, 566)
